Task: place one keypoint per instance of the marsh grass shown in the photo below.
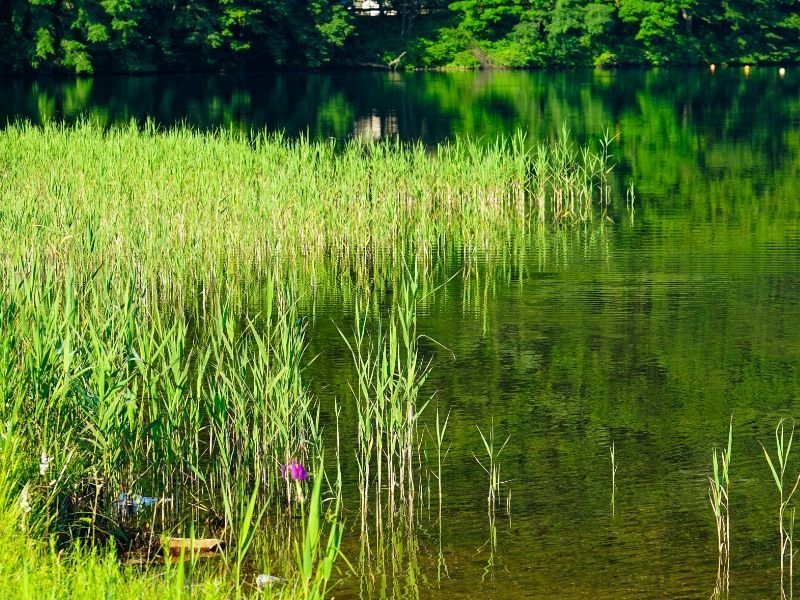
(390, 374)
(783, 447)
(133, 361)
(719, 498)
(492, 465)
(180, 206)
(106, 396)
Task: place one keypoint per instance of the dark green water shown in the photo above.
(650, 334)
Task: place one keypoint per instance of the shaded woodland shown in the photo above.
(134, 36)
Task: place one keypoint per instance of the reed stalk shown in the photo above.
(613, 454)
(492, 466)
(719, 498)
(390, 374)
(786, 490)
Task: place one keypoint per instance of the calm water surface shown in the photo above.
(648, 334)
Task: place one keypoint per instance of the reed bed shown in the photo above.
(109, 403)
(154, 291)
(134, 366)
(102, 376)
(390, 374)
(177, 206)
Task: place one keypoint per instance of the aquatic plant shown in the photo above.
(492, 466)
(783, 447)
(159, 391)
(129, 430)
(390, 374)
(295, 470)
(315, 561)
(613, 453)
(162, 202)
(441, 429)
(719, 498)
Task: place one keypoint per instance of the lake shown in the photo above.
(647, 334)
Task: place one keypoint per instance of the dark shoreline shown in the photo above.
(344, 68)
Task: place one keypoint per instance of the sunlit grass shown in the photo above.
(180, 205)
(132, 365)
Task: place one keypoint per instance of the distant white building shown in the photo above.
(367, 7)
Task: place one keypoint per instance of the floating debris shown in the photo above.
(133, 503)
(201, 546)
(264, 580)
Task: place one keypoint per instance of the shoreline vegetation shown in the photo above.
(366, 67)
(144, 400)
(142, 36)
(178, 205)
(154, 363)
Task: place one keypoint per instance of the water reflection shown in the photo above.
(431, 106)
(375, 127)
(389, 566)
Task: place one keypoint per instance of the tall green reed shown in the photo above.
(390, 374)
(492, 466)
(121, 402)
(441, 429)
(719, 498)
(613, 453)
(786, 490)
(180, 206)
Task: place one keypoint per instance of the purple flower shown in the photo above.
(295, 470)
(298, 472)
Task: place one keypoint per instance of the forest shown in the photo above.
(138, 36)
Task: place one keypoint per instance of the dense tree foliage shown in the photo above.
(146, 35)
(526, 33)
(85, 36)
